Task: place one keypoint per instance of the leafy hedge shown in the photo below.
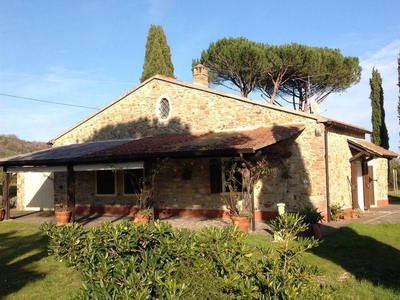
(141, 261)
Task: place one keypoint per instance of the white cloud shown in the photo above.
(354, 106)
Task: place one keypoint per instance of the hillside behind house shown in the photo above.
(11, 145)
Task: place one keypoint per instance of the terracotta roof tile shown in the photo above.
(210, 143)
(372, 148)
(244, 140)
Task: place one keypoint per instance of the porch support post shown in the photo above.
(6, 193)
(71, 189)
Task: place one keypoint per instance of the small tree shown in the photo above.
(157, 59)
(144, 186)
(241, 188)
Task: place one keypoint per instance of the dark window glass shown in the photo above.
(133, 180)
(105, 182)
(232, 176)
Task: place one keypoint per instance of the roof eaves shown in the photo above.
(344, 125)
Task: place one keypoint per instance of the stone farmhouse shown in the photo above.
(317, 160)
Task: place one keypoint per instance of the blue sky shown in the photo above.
(88, 53)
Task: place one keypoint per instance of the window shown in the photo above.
(163, 108)
(220, 173)
(232, 176)
(133, 180)
(105, 182)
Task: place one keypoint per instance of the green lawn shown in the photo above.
(362, 260)
(27, 271)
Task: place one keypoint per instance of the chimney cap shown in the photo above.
(200, 75)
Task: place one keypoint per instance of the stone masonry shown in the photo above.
(297, 181)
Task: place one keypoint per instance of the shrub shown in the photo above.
(311, 215)
(288, 277)
(140, 261)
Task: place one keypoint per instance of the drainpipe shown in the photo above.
(328, 199)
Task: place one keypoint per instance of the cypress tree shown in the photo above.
(380, 134)
(398, 84)
(157, 59)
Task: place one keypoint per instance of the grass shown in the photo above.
(362, 260)
(27, 271)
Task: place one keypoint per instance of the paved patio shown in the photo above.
(387, 214)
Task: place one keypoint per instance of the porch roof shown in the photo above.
(370, 149)
(176, 145)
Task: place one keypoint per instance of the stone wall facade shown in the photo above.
(381, 182)
(298, 180)
(192, 110)
(339, 170)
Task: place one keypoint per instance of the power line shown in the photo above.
(65, 79)
(46, 101)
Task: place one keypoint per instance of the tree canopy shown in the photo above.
(157, 58)
(292, 72)
(234, 60)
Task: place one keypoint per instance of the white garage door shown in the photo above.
(39, 191)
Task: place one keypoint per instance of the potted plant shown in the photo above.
(335, 211)
(143, 216)
(345, 215)
(145, 191)
(2, 213)
(356, 213)
(239, 214)
(241, 188)
(2, 209)
(314, 218)
(62, 212)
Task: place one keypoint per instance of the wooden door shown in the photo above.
(368, 185)
(354, 187)
(371, 188)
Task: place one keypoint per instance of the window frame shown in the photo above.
(96, 183)
(158, 106)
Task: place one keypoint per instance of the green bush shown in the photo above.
(142, 261)
(311, 215)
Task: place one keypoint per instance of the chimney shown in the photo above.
(200, 75)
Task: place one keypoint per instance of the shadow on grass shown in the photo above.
(362, 256)
(394, 199)
(18, 254)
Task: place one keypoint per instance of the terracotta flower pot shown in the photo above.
(2, 214)
(141, 219)
(317, 230)
(62, 217)
(242, 223)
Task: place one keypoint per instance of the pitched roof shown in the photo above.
(178, 145)
(370, 148)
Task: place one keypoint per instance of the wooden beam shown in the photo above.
(71, 190)
(6, 193)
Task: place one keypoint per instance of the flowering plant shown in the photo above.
(144, 212)
(63, 206)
